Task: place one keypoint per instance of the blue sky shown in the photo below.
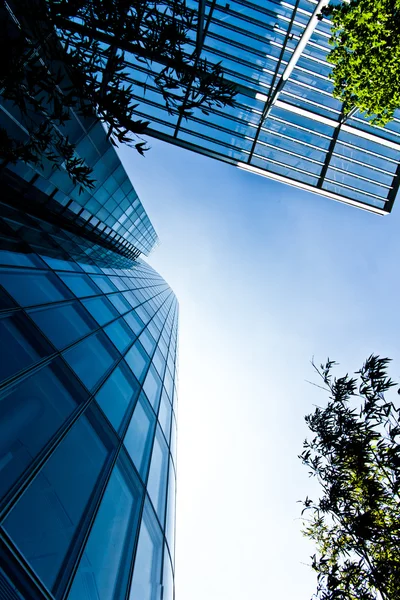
(267, 277)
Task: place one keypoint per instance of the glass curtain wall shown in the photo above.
(87, 419)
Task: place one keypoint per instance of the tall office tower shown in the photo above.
(87, 418)
(286, 125)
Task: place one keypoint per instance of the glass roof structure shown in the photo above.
(286, 124)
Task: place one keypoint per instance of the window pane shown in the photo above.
(104, 283)
(43, 522)
(164, 415)
(63, 324)
(120, 303)
(157, 482)
(134, 322)
(138, 360)
(117, 394)
(147, 570)
(104, 566)
(30, 289)
(148, 342)
(91, 358)
(120, 334)
(22, 345)
(30, 414)
(101, 310)
(152, 387)
(170, 522)
(139, 436)
(79, 284)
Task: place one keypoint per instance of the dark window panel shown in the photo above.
(117, 394)
(80, 284)
(139, 436)
(45, 519)
(92, 358)
(22, 344)
(101, 309)
(30, 288)
(104, 567)
(31, 412)
(63, 324)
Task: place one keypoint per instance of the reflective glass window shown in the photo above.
(157, 481)
(173, 439)
(170, 521)
(168, 383)
(30, 288)
(91, 358)
(22, 345)
(152, 387)
(148, 342)
(117, 394)
(139, 435)
(101, 309)
(120, 334)
(168, 578)
(131, 298)
(61, 264)
(80, 284)
(120, 303)
(134, 322)
(63, 324)
(104, 567)
(45, 519)
(164, 415)
(104, 283)
(147, 569)
(159, 362)
(138, 360)
(30, 413)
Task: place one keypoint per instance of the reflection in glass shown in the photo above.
(30, 414)
(117, 394)
(22, 345)
(146, 580)
(91, 358)
(157, 482)
(43, 522)
(63, 324)
(139, 435)
(104, 567)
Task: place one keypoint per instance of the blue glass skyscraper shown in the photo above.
(87, 419)
(88, 335)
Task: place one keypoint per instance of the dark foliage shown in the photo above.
(72, 54)
(355, 456)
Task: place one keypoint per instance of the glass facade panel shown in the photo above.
(139, 436)
(31, 288)
(91, 358)
(23, 342)
(157, 483)
(138, 360)
(31, 412)
(117, 394)
(146, 581)
(104, 567)
(78, 417)
(63, 324)
(43, 522)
